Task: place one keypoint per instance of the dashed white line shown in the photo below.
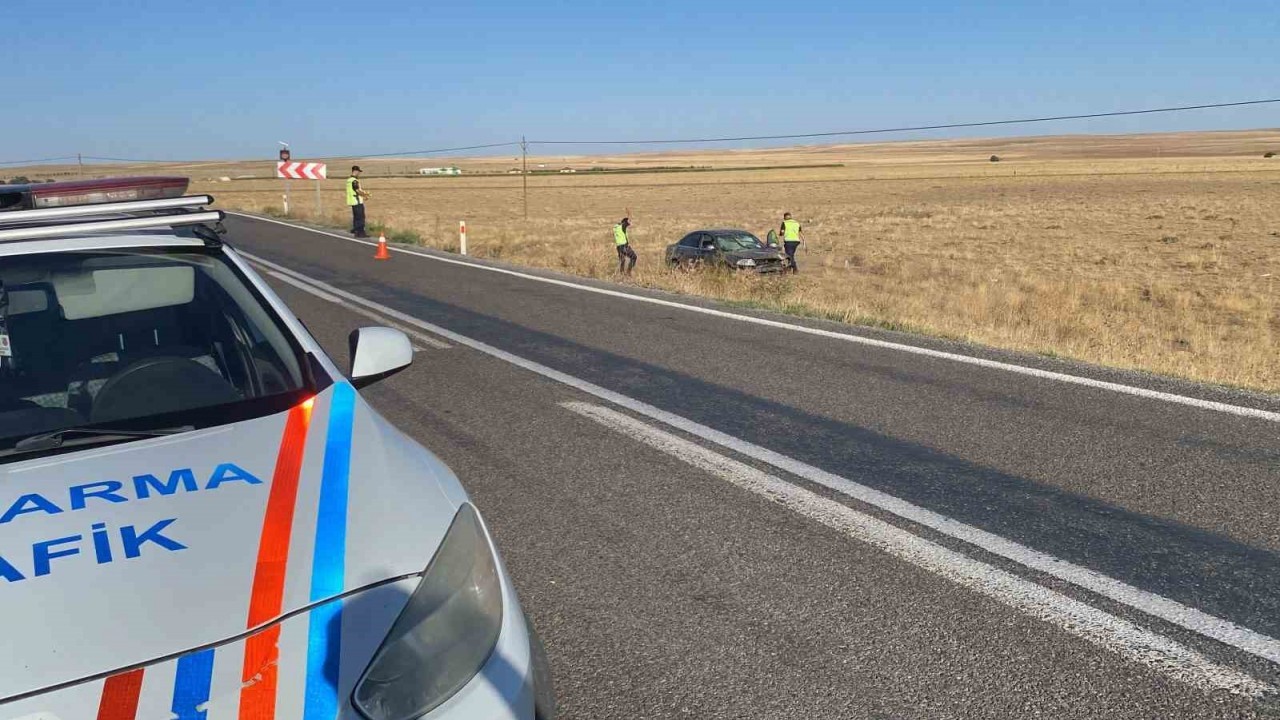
(846, 337)
(1116, 634)
(1219, 629)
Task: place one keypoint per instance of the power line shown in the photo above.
(682, 141)
(34, 162)
(434, 151)
(948, 126)
(437, 151)
(138, 160)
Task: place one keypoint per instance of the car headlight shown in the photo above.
(445, 633)
(746, 262)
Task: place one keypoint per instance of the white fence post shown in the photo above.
(462, 235)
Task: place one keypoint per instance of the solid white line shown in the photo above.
(1172, 611)
(912, 349)
(426, 339)
(1116, 634)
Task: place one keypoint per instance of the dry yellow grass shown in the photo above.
(1158, 252)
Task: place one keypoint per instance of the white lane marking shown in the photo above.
(884, 344)
(1172, 611)
(290, 281)
(426, 339)
(1116, 634)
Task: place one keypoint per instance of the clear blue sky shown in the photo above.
(227, 79)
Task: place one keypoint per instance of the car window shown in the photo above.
(104, 337)
(738, 241)
(690, 240)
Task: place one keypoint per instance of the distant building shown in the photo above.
(567, 170)
(439, 171)
(513, 171)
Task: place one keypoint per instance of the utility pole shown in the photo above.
(524, 173)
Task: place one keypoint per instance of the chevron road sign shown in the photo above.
(302, 170)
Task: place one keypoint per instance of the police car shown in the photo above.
(199, 515)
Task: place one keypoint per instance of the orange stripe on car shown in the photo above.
(262, 650)
(120, 696)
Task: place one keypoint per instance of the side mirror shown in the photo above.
(377, 353)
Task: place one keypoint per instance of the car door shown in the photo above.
(687, 249)
(707, 250)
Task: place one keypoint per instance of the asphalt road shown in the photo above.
(671, 575)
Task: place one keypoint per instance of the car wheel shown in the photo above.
(544, 695)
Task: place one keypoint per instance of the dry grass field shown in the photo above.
(1158, 252)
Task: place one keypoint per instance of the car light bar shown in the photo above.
(32, 217)
(40, 232)
(91, 192)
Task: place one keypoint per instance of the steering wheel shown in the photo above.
(160, 384)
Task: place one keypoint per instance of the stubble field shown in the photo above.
(1159, 253)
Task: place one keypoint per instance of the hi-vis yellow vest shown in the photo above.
(791, 231)
(619, 235)
(352, 197)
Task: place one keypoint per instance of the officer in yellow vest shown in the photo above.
(621, 241)
(792, 236)
(356, 196)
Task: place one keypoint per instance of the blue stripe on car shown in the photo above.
(328, 561)
(191, 685)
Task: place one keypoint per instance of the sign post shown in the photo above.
(284, 158)
(301, 171)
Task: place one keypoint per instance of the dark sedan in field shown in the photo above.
(734, 249)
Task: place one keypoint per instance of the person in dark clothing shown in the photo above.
(355, 198)
(623, 243)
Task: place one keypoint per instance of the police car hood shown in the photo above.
(136, 553)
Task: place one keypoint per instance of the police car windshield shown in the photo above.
(136, 339)
(739, 241)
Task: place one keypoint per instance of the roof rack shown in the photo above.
(104, 205)
(38, 217)
(38, 232)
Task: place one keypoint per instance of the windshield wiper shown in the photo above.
(55, 438)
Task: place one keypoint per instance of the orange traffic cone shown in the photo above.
(382, 248)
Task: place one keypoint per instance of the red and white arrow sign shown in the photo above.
(302, 170)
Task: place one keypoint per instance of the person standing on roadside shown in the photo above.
(792, 236)
(356, 196)
(623, 243)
